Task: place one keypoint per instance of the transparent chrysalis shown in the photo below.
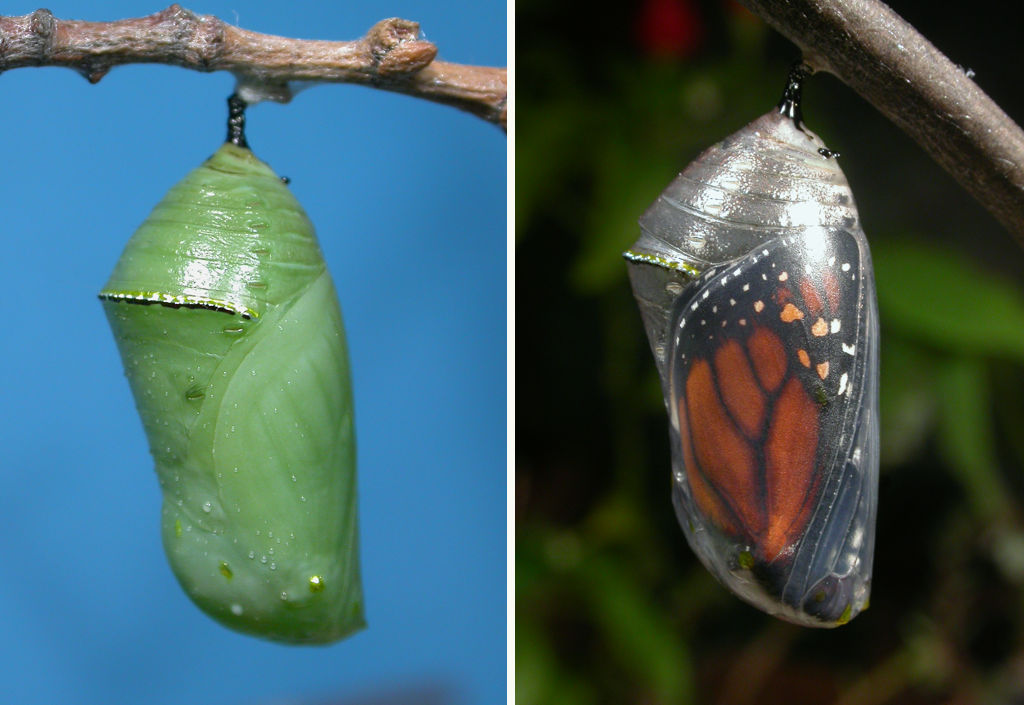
(755, 283)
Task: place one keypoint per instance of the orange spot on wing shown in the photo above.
(740, 391)
(791, 477)
(811, 298)
(769, 357)
(823, 370)
(791, 313)
(819, 328)
(726, 458)
(804, 358)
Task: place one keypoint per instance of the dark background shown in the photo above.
(611, 605)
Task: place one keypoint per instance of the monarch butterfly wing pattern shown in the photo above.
(232, 341)
(770, 383)
(774, 432)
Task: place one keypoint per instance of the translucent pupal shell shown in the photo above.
(231, 336)
(756, 288)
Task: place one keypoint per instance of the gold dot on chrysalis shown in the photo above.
(225, 570)
(316, 583)
(746, 560)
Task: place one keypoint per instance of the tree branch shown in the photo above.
(875, 52)
(391, 56)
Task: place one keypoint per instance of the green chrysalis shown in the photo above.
(232, 341)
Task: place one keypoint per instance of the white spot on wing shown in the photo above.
(835, 325)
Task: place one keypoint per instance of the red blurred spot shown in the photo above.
(734, 8)
(669, 28)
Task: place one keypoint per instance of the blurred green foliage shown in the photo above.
(611, 606)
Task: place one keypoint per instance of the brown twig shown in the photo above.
(391, 56)
(875, 52)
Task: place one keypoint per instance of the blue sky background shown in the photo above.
(408, 198)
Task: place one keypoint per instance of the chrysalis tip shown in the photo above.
(792, 96)
(236, 121)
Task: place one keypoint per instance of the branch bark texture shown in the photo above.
(874, 51)
(391, 56)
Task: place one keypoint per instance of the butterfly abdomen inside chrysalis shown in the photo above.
(756, 288)
(232, 341)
